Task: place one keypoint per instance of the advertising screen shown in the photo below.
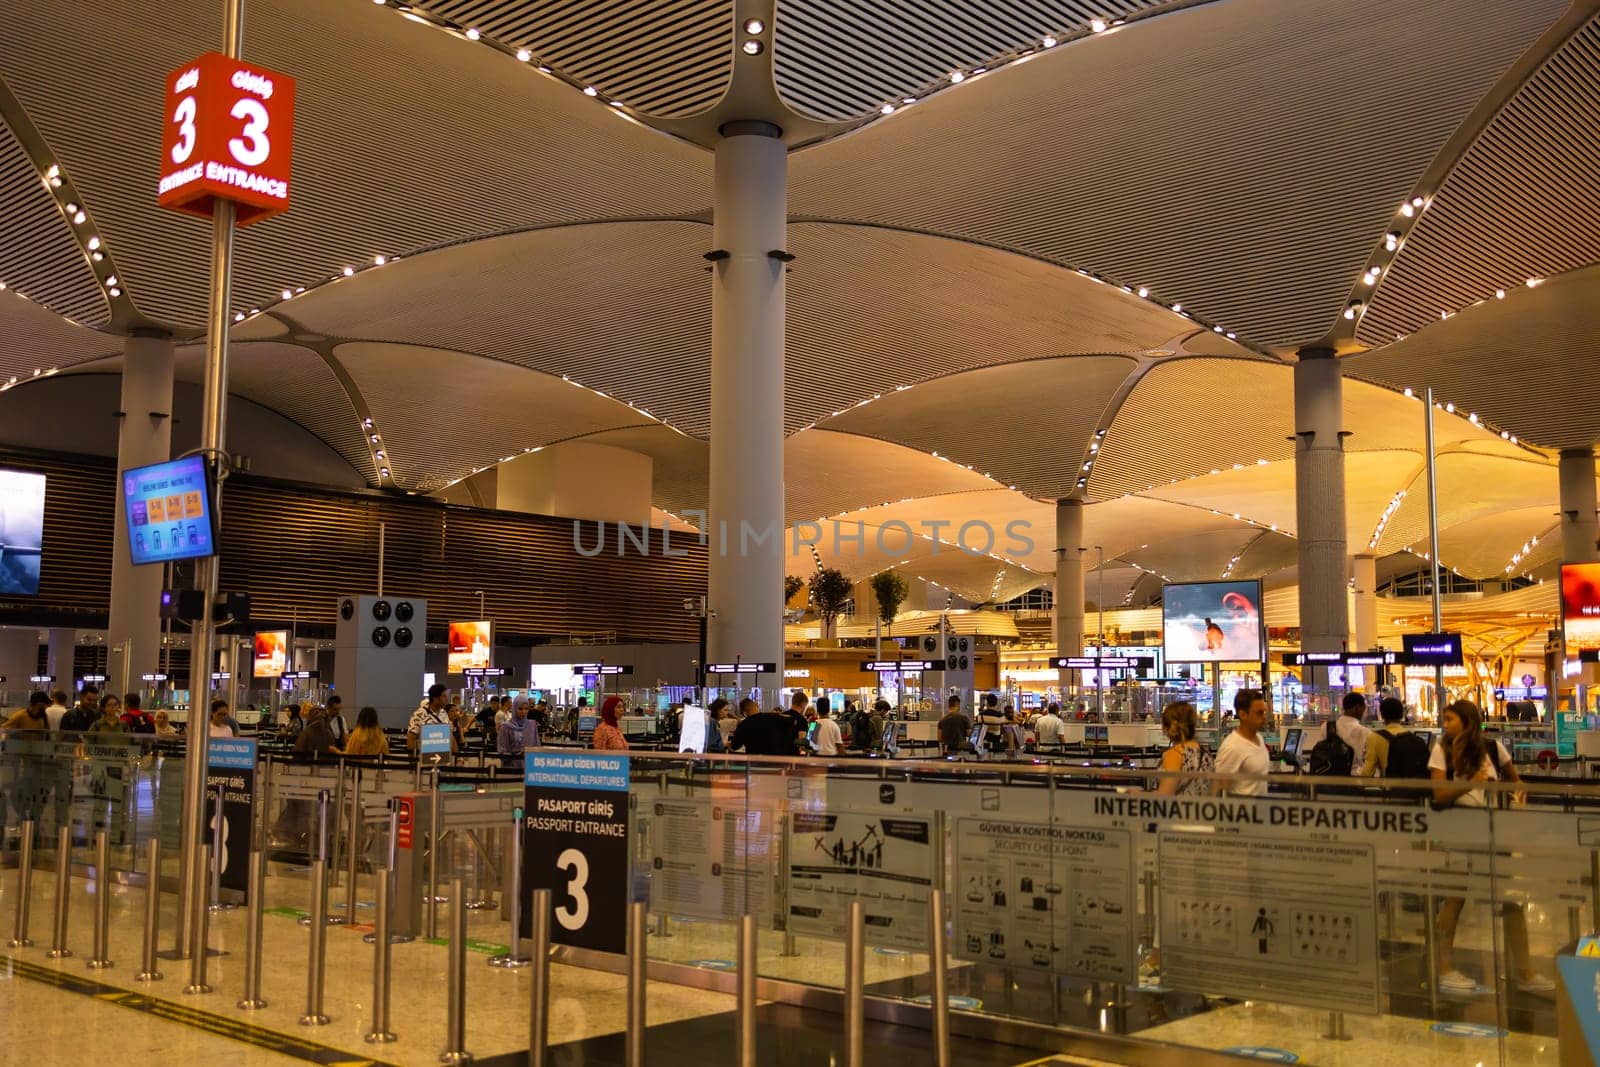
(21, 532)
(272, 653)
(471, 645)
(1580, 606)
(1212, 622)
(169, 511)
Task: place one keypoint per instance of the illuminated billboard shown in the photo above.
(21, 532)
(272, 653)
(168, 508)
(1580, 607)
(471, 645)
(1212, 622)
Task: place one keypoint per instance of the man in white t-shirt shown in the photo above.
(827, 738)
(1243, 754)
(57, 709)
(1047, 730)
(1350, 730)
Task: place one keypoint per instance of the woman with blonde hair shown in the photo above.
(1185, 754)
(367, 739)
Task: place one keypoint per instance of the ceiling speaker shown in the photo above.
(404, 611)
(402, 636)
(347, 609)
(380, 637)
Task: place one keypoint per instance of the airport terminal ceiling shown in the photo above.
(1042, 251)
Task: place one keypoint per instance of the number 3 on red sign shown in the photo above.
(251, 148)
(184, 117)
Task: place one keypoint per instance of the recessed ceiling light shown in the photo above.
(473, 34)
(754, 26)
(1049, 42)
(754, 48)
(956, 76)
(589, 90)
(523, 55)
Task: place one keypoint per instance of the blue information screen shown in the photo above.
(169, 511)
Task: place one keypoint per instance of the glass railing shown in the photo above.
(1325, 912)
(1086, 907)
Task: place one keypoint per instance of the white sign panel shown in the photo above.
(710, 860)
(1288, 921)
(1052, 898)
(884, 861)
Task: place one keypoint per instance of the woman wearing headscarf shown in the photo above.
(608, 734)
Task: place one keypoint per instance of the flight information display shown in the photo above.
(169, 511)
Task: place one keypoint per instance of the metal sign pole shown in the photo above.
(213, 436)
(1433, 556)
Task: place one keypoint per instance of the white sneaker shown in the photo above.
(1457, 982)
(1536, 983)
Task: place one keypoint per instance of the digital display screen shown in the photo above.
(1212, 622)
(471, 645)
(21, 532)
(1580, 606)
(169, 511)
(272, 653)
(1291, 742)
(1433, 650)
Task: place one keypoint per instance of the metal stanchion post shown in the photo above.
(539, 1013)
(319, 937)
(102, 901)
(392, 859)
(217, 855)
(1430, 937)
(380, 1034)
(58, 935)
(199, 918)
(638, 958)
(152, 913)
(855, 968)
(433, 858)
(353, 845)
(323, 851)
(938, 964)
(334, 855)
(255, 905)
(19, 933)
(513, 958)
(747, 990)
(455, 1050)
(1336, 1030)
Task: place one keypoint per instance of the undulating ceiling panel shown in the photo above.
(39, 256)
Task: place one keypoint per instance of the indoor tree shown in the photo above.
(830, 592)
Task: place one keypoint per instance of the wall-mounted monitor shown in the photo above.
(272, 653)
(168, 506)
(471, 645)
(1212, 622)
(1580, 607)
(21, 532)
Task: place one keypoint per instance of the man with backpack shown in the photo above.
(1394, 751)
(1351, 732)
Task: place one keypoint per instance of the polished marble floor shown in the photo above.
(55, 1025)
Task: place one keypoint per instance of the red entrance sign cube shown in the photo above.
(229, 136)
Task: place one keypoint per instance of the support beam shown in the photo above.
(1069, 584)
(1366, 622)
(1579, 526)
(1319, 504)
(133, 638)
(745, 525)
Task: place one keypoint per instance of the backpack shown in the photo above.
(1331, 756)
(1408, 756)
(861, 731)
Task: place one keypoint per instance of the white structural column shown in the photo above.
(19, 661)
(1366, 576)
(745, 524)
(1579, 526)
(63, 647)
(145, 437)
(1319, 502)
(1069, 582)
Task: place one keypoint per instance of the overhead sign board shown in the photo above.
(484, 672)
(600, 668)
(1433, 650)
(897, 665)
(1101, 663)
(742, 668)
(228, 135)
